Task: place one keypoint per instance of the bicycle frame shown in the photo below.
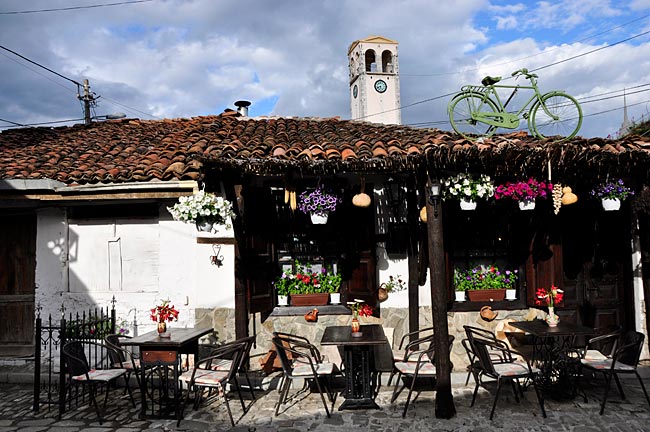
(502, 118)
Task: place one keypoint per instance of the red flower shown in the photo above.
(164, 312)
(549, 297)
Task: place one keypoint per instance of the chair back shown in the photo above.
(282, 344)
(247, 343)
(76, 362)
(631, 345)
(481, 348)
(115, 354)
(231, 351)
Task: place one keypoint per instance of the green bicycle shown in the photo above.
(477, 110)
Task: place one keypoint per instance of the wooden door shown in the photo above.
(17, 273)
(596, 266)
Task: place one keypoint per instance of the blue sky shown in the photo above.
(182, 58)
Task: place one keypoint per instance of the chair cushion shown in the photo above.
(607, 364)
(408, 368)
(513, 369)
(100, 374)
(594, 355)
(304, 369)
(128, 365)
(221, 365)
(398, 355)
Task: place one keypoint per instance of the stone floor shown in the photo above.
(306, 413)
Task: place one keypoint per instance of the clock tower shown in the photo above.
(374, 80)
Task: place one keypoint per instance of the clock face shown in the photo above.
(355, 91)
(380, 86)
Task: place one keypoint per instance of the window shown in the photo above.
(371, 62)
(387, 62)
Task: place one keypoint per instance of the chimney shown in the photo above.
(242, 107)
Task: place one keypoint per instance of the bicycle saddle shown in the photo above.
(488, 80)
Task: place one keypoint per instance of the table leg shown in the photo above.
(359, 392)
(143, 392)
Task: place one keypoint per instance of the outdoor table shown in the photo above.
(164, 354)
(555, 355)
(357, 357)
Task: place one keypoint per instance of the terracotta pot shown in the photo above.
(487, 295)
(310, 299)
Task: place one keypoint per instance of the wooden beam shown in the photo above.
(444, 399)
(413, 264)
(233, 194)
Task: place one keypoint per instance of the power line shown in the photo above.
(75, 7)
(40, 65)
(39, 124)
(130, 108)
(532, 55)
(9, 121)
(37, 72)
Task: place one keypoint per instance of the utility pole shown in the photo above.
(88, 99)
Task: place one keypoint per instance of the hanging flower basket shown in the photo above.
(319, 218)
(612, 193)
(524, 192)
(611, 204)
(204, 209)
(467, 204)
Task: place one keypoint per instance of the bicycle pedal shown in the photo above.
(525, 115)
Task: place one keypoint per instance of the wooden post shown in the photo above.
(444, 399)
(413, 267)
(233, 194)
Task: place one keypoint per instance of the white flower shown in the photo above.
(202, 204)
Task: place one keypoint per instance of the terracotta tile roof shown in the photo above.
(177, 149)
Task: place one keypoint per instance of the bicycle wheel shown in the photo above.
(460, 115)
(564, 120)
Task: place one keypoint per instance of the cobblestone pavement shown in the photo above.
(307, 413)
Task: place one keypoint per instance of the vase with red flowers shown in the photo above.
(358, 308)
(162, 314)
(550, 297)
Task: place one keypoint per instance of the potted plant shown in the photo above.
(304, 286)
(524, 192)
(203, 209)
(550, 297)
(485, 283)
(283, 287)
(468, 189)
(461, 285)
(318, 204)
(330, 282)
(612, 193)
(394, 284)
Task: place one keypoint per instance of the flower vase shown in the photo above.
(611, 204)
(319, 218)
(526, 205)
(460, 296)
(552, 320)
(283, 300)
(162, 329)
(335, 298)
(467, 204)
(356, 328)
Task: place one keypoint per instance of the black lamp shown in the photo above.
(395, 195)
(434, 195)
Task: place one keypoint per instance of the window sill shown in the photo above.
(302, 310)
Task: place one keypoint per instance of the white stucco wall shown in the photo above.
(185, 274)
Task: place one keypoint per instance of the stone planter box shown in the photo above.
(310, 299)
(486, 295)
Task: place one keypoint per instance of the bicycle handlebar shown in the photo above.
(524, 71)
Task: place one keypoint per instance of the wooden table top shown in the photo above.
(373, 334)
(178, 337)
(539, 328)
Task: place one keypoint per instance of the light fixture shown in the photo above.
(434, 195)
(395, 196)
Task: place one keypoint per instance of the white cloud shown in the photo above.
(505, 23)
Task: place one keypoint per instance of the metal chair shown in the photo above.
(398, 354)
(473, 367)
(80, 372)
(505, 371)
(624, 360)
(417, 363)
(301, 360)
(205, 376)
(122, 358)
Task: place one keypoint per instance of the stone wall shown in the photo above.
(223, 321)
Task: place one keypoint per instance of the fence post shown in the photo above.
(37, 360)
(62, 368)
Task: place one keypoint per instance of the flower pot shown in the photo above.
(335, 298)
(310, 299)
(551, 319)
(487, 295)
(460, 296)
(204, 225)
(611, 204)
(526, 205)
(466, 204)
(511, 294)
(283, 300)
(319, 218)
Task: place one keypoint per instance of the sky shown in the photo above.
(156, 59)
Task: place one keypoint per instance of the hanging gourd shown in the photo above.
(568, 197)
(361, 199)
